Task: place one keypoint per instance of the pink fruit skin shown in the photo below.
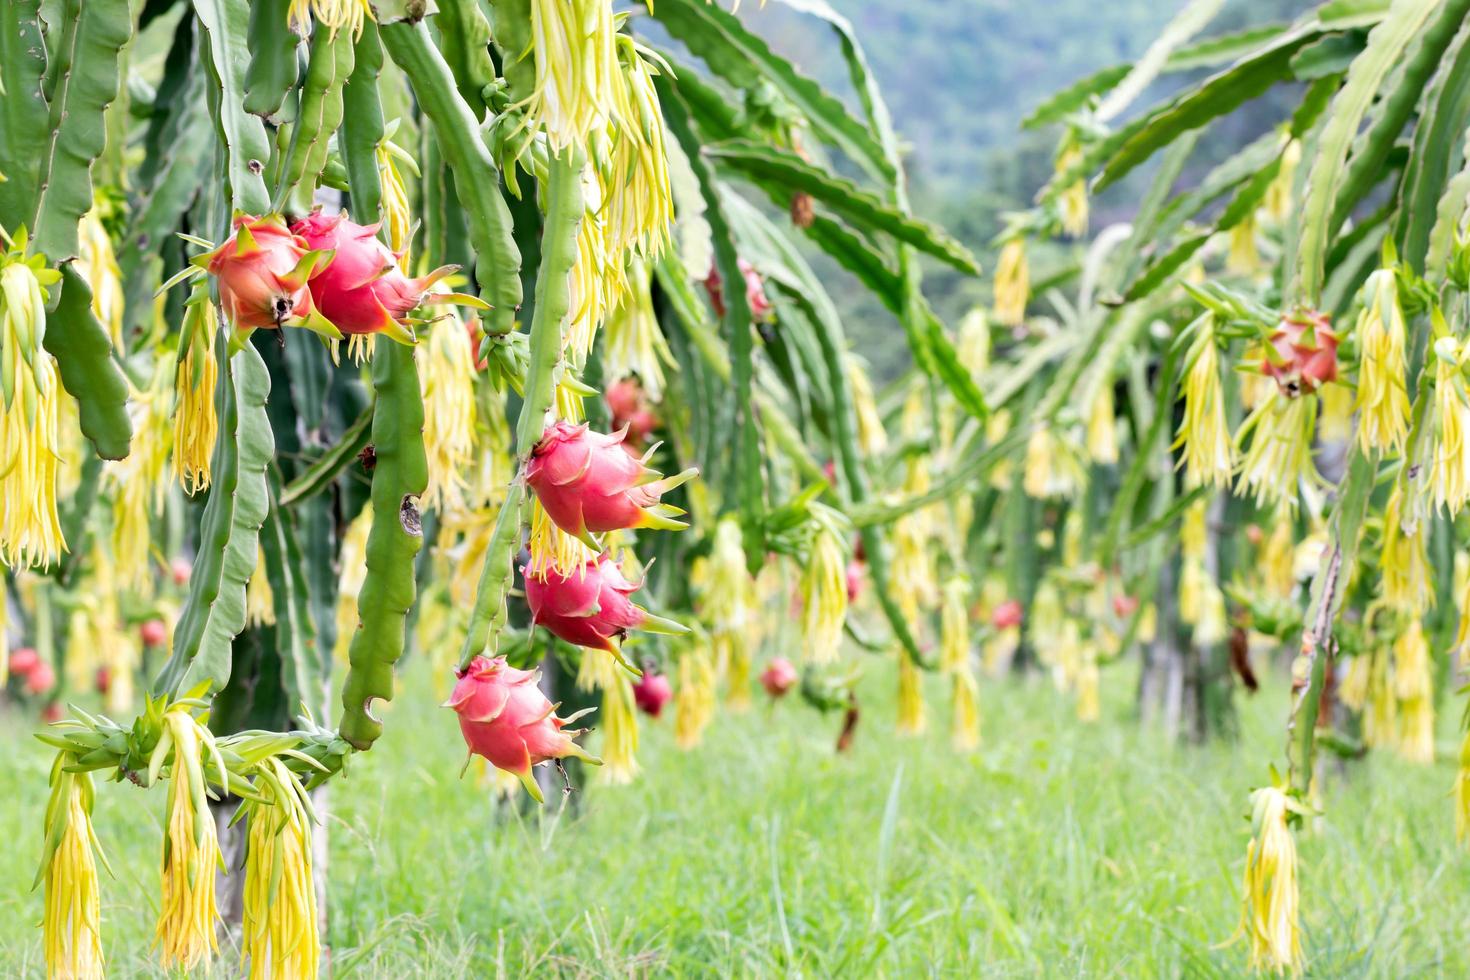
(257, 289)
(1307, 348)
(590, 607)
(629, 408)
(755, 291)
(51, 713)
(505, 717)
(588, 483)
(23, 660)
(778, 677)
(1124, 606)
(362, 290)
(103, 680)
(153, 633)
(854, 580)
(1007, 614)
(652, 692)
(41, 678)
(181, 570)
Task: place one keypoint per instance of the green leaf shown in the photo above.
(23, 114)
(323, 471)
(1217, 95)
(400, 473)
(1223, 48)
(226, 25)
(1075, 97)
(781, 169)
(1185, 25)
(229, 533)
(1328, 55)
(476, 178)
(1325, 179)
(738, 56)
(1442, 121)
(83, 355)
(81, 81)
(272, 71)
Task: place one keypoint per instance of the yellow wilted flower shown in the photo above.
(572, 42)
(397, 215)
(824, 596)
(1279, 457)
(954, 625)
(1404, 560)
(1053, 465)
(97, 264)
(1449, 475)
(1013, 280)
(964, 729)
(331, 14)
(911, 715)
(634, 343)
(694, 701)
(1088, 683)
(619, 729)
(1278, 556)
(139, 481)
(1073, 198)
(552, 549)
(280, 921)
(447, 360)
(30, 530)
(1462, 792)
(972, 346)
(260, 598)
(872, 439)
(1383, 401)
(1335, 419)
(73, 936)
(1277, 204)
(1352, 690)
(1381, 715)
(1243, 259)
(196, 424)
(1102, 431)
(1270, 915)
(727, 602)
(1413, 683)
(187, 913)
(1209, 456)
(640, 200)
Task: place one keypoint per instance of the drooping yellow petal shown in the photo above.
(1270, 916)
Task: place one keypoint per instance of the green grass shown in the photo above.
(1058, 850)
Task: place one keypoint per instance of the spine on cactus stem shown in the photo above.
(564, 213)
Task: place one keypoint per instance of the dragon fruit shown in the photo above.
(589, 483)
(1303, 354)
(505, 718)
(590, 606)
(364, 290)
(778, 677)
(652, 692)
(1007, 614)
(264, 271)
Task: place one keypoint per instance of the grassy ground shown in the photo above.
(1058, 850)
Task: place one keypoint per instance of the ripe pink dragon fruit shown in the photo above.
(1007, 614)
(505, 718)
(778, 677)
(41, 678)
(23, 660)
(651, 692)
(264, 273)
(1124, 605)
(590, 484)
(180, 570)
(755, 291)
(629, 408)
(855, 570)
(363, 290)
(103, 680)
(590, 606)
(1303, 353)
(153, 633)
